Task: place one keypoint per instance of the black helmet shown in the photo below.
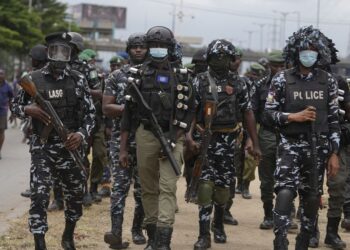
(38, 52)
(160, 34)
(200, 55)
(220, 46)
(136, 39)
(77, 40)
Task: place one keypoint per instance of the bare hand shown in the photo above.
(73, 141)
(123, 158)
(308, 114)
(249, 146)
(256, 153)
(35, 111)
(333, 165)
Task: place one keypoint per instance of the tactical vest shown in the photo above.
(156, 88)
(62, 96)
(300, 94)
(226, 113)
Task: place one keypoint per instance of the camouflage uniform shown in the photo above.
(293, 163)
(115, 86)
(51, 160)
(220, 171)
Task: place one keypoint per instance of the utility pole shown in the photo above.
(274, 34)
(261, 25)
(178, 15)
(30, 4)
(250, 33)
(318, 14)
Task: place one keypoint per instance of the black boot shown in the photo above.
(94, 194)
(332, 237)
(137, 236)
(228, 218)
(164, 238)
(245, 192)
(218, 225)
(302, 241)
(268, 218)
(280, 242)
(39, 240)
(204, 241)
(114, 238)
(68, 236)
(151, 234)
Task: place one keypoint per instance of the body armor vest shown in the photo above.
(300, 94)
(156, 89)
(226, 113)
(62, 96)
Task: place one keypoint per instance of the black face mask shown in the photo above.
(57, 67)
(219, 64)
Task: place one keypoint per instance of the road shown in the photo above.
(14, 177)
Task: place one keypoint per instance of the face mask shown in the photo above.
(219, 65)
(57, 67)
(158, 53)
(308, 58)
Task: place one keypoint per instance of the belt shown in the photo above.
(302, 136)
(227, 130)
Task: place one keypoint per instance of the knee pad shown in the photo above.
(284, 201)
(221, 195)
(205, 193)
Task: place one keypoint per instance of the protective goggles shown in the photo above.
(59, 52)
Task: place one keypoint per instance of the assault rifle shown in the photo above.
(202, 160)
(29, 87)
(167, 146)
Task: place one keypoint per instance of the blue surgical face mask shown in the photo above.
(158, 53)
(308, 58)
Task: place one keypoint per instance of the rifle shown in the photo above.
(202, 160)
(156, 129)
(29, 86)
(314, 171)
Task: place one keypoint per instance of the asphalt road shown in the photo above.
(14, 177)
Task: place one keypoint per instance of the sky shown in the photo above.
(236, 19)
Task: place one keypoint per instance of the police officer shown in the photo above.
(170, 96)
(297, 99)
(116, 62)
(38, 56)
(216, 177)
(267, 138)
(66, 90)
(97, 140)
(113, 105)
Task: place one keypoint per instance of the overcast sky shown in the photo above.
(233, 19)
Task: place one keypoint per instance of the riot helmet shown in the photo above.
(77, 40)
(160, 41)
(136, 39)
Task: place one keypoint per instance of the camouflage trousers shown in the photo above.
(338, 185)
(52, 161)
(220, 169)
(122, 180)
(293, 169)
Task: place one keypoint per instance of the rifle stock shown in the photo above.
(209, 112)
(29, 87)
(157, 130)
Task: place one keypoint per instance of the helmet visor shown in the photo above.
(59, 52)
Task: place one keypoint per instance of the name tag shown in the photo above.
(308, 95)
(55, 93)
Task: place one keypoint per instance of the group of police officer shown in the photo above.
(164, 115)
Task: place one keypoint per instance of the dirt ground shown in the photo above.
(96, 221)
